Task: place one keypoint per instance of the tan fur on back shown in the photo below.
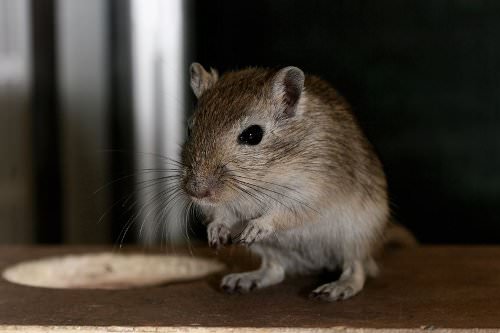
(314, 180)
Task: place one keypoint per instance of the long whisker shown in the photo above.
(187, 210)
(270, 183)
(134, 218)
(175, 197)
(262, 192)
(246, 191)
(159, 156)
(125, 199)
(124, 231)
(167, 195)
(159, 197)
(278, 193)
(139, 172)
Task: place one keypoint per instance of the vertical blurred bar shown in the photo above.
(158, 59)
(45, 112)
(16, 199)
(121, 108)
(83, 84)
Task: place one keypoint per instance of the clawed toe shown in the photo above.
(239, 283)
(254, 233)
(218, 235)
(334, 291)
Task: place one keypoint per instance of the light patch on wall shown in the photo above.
(158, 84)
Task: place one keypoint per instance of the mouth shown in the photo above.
(205, 201)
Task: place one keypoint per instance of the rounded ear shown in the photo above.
(201, 80)
(288, 84)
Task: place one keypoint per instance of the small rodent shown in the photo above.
(276, 160)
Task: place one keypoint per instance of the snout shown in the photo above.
(201, 187)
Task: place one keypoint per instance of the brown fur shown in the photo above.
(328, 190)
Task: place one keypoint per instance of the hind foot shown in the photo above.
(336, 291)
(349, 284)
(248, 281)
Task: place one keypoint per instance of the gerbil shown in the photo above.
(276, 161)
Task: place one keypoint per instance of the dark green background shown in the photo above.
(422, 76)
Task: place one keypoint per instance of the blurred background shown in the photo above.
(93, 92)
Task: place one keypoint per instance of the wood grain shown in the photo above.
(427, 288)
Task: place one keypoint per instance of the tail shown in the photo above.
(397, 236)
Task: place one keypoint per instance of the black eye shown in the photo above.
(252, 135)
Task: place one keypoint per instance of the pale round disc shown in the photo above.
(109, 270)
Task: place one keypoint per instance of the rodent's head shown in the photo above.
(245, 126)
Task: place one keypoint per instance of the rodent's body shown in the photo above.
(311, 195)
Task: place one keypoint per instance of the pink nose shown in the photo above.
(200, 189)
(199, 193)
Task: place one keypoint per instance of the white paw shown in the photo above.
(241, 282)
(255, 232)
(218, 235)
(336, 291)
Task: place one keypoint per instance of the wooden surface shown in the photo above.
(427, 288)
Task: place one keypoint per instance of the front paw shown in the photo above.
(255, 232)
(218, 235)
